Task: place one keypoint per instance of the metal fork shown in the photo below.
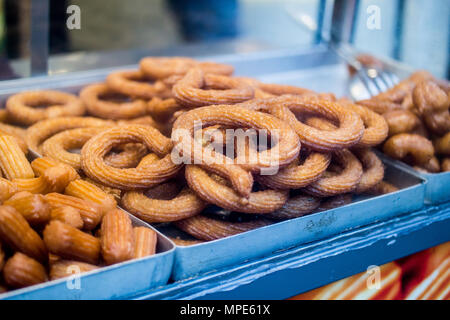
(375, 80)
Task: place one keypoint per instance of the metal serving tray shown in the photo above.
(210, 256)
(112, 282)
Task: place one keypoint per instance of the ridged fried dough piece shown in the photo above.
(213, 191)
(58, 146)
(54, 179)
(71, 243)
(164, 67)
(297, 175)
(162, 110)
(401, 121)
(41, 131)
(85, 190)
(13, 161)
(96, 148)
(433, 105)
(235, 116)
(184, 205)
(66, 268)
(204, 228)
(21, 106)
(295, 207)
(373, 169)
(331, 184)
(399, 146)
(144, 242)
(68, 215)
(117, 237)
(90, 212)
(32, 207)
(348, 133)
(376, 128)
(7, 189)
(96, 105)
(17, 233)
(22, 271)
(197, 89)
(19, 140)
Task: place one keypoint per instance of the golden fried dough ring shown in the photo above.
(209, 229)
(380, 106)
(97, 106)
(214, 191)
(160, 68)
(186, 204)
(7, 189)
(376, 129)
(197, 89)
(401, 145)
(349, 132)
(432, 166)
(39, 132)
(96, 148)
(401, 121)
(20, 106)
(442, 145)
(331, 184)
(135, 83)
(57, 146)
(162, 110)
(163, 203)
(297, 206)
(287, 142)
(433, 105)
(373, 170)
(296, 175)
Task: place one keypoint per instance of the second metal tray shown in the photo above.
(209, 256)
(112, 282)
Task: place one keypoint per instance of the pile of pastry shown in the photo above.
(417, 111)
(186, 142)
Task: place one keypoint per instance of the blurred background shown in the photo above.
(35, 32)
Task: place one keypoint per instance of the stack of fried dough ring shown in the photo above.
(417, 112)
(159, 138)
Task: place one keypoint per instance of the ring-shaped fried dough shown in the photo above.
(197, 89)
(205, 228)
(39, 132)
(401, 145)
(162, 110)
(21, 106)
(94, 151)
(184, 205)
(401, 121)
(331, 184)
(376, 128)
(373, 170)
(297, 175)
(288, 144)
(135, 83)
(93, 97)
(350, 128)
(164, 67)
(213, 191)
